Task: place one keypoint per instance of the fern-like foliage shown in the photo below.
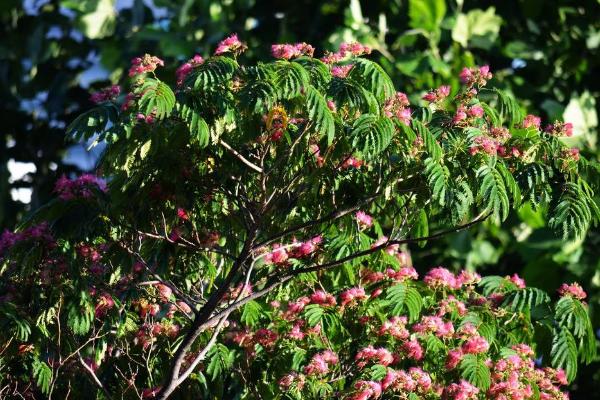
(211, 74)
(576, 210)
(157, 98)
(319, 114)
(492, 192)
(438, 177)
(373, 78)
(372, 134)
(475, 370)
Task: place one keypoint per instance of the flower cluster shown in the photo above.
(187, 67)
(37, 233)
(82, 187)
(437, 95)
(559, 128)
(398, 106)
(280, 253)
(230, 45)
(288, 51)
(572, 290)
(145, 64)
(107, 94)
(475, 76)
(346, 49)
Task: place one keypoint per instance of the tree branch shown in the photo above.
(240, 157)
(94, 378)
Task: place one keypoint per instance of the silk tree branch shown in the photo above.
(278, 280)
(202, 316)
(241, 157)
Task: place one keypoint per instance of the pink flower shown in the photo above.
(323, 298)
(517, 281)
(182, 214)
(352, 162)
(364, 220)
(370, 354)
(476, 111)
(402, 274)
(461, 391)
(81, 187)
(531, 121)
(468, 278)
(184, 70)
(351, 295)
(475, 345)
(460, 115)
(437, 95)
(265, 337)
(289, 51)
(230, 45)
(572, 290)
(413, 349)
(367, 390)
(341, 71)
(320, 363)
(475, 76)
(485, 144)
(164, 291)
(397, 106)
(453, 359)
(441, 278)
(560, 129)
(106, 94)
(354, 48)
(142, 65)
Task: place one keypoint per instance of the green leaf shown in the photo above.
(526, 299)
(212, 73)
(372, 134)
(320, 114)
(426, 14)
(438, 176)
(492, 192)
(251, 313)
(509, 108)
(564, 352)
(42, 373)
(290, 79)
(475, 371)
(373, 78)
(197, 125)
(477, 28)
(157, 99)
(313, 314)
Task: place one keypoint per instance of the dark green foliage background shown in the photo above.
(421, 43)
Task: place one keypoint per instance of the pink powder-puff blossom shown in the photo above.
(413, 350)
(461, 391)
(81, 187)
(517, 281)
(145, 64)
(184, 70)
(532, 121)
(441, 278)
(230, 44)
(289, 51)
(364, 220)
(475, 345)
(341, 71)
(107, 94)
(453, 359)
(352, 295)
(572, 290)
(560, 129)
